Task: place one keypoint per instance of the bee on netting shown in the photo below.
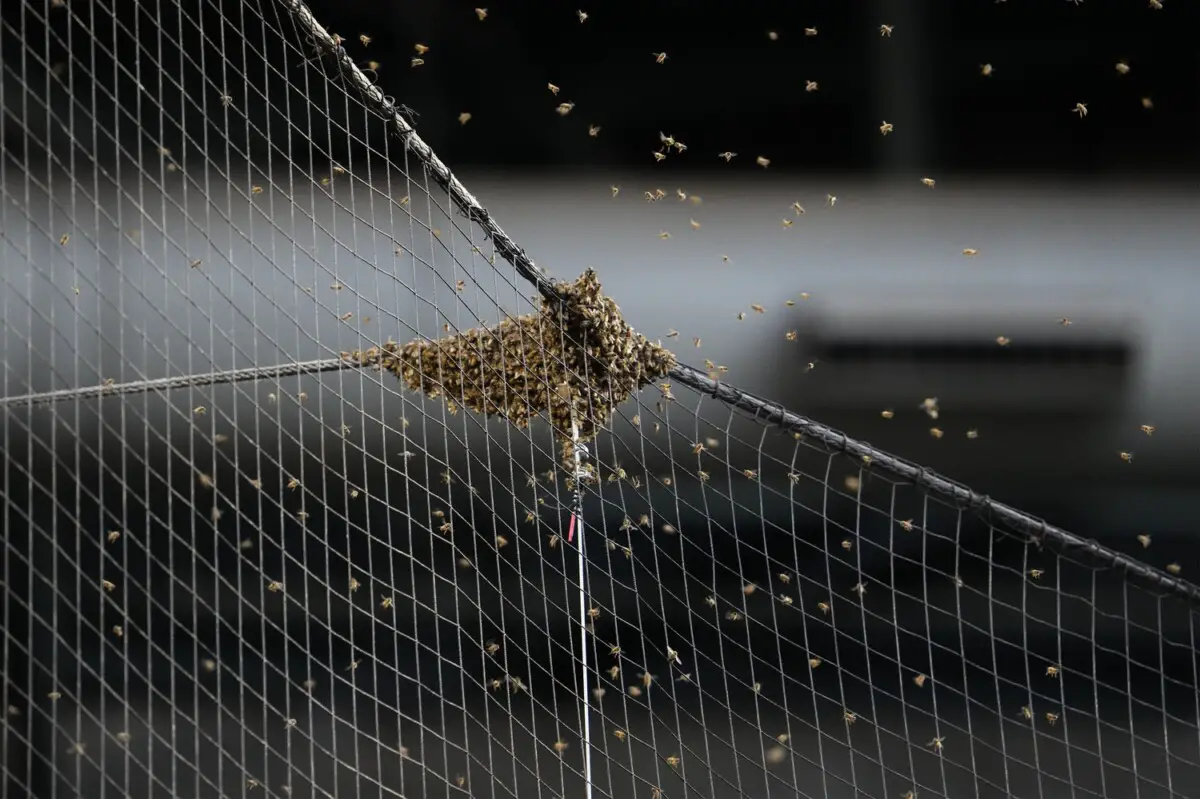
(108, 585)
(672, 760)
(593, 613)
(123, 737)
(1036, 573)
(619, 735)
(118, 631)
(386, 603)
(814, 662)
(909, 794)
(614, 672)
(226, 98)
(205, 480)
(733, 615)
(919, 680)
(703, 476)
(794, 477)
(1052, 718)
(560, 746)
(751, 474)
(256, 190)
(289, 723)
(615, 650)
(112, 536)
(823, 607)
(460, 781)
(849, 717)
(860, 589)
(292, 483)
(274, 586)
(1052, 671)
(847, 544)
(711, 601)
(937, 744)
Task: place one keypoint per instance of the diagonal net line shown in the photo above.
(309, 595)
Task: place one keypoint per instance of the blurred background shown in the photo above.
(156, 136)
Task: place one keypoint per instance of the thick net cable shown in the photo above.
(299, 449)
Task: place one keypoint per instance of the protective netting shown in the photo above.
(293, 576)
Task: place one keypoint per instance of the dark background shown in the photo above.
(1090, 219)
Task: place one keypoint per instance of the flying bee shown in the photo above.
(593, 130)
(1081, 109)
(763, 161)
(1036, 573)
(930, 182)
(886, 31)
(561, 746)
(823, 607)
(813, 662)
(860, 589)
(672, 760)
(386, 603)
(659, 58)
(937, 744)
(986, 70)
(727, 155)
(970, 252)
(1052, 718)
(112, 536)
(1174, 568)
(886, 127)
(919, 680)
(583, 15)
(619, 735)
(811, 86)
(564, 108)
(1052, 671)
(849, 717)
(1027, 712)
(1148, 429)
(711, 601)
(108, 586)
(1143, 539)
(1126, 456)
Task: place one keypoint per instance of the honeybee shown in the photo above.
(936, 432)
(850, 717)
(672, 760)
(108, 585)
(553, 89)
(886, 127)
(727, 155)
(1143, 539)
(561, 746)
(1174, 568)
(929, 182)
(1148, 429)
(970, 252)
(564, 108)
(937, 744)
(619, 735)
(112, 536)
(811, 86)
(986, 70)
(1081, 109)
(810, 31)
(481, 13)
(1126, 456)
(888, 413)
(763, 161)
(860, 589)
(659, 58)
(823, 607)
(813, 662)
(583, 15)
(1052, 671)
(886, 31)
(593, 130)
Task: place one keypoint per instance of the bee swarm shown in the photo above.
(516, 368)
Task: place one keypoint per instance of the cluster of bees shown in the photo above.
(574, 362)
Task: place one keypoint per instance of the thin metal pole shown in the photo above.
(580, 451)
